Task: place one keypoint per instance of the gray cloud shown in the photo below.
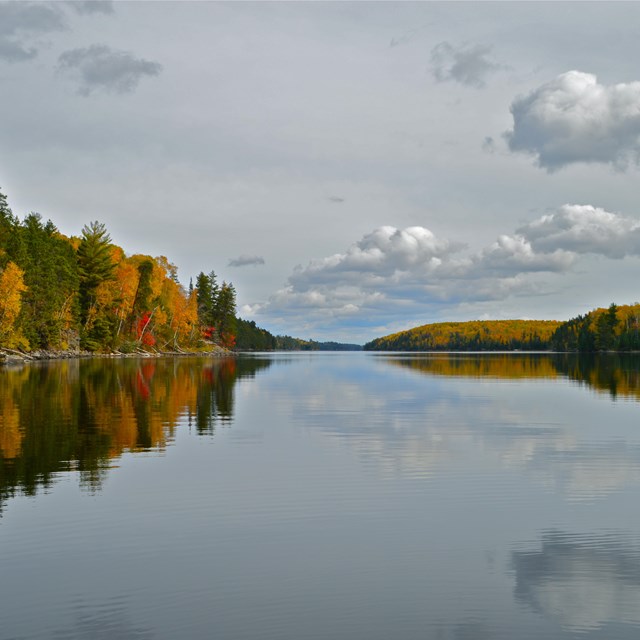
(99, 67)
(336, 199)
(574, 119)
(489, 145)
(84, 7)
(20, 21)
(245, 261)
(466, 64)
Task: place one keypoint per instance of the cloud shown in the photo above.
(20, 21)
(336, 199)
(585, 229)
(574, 119)
(84, 7)
(244, 261)
(489, 145)
(99, 67)
(510, 255)
(466, 64)
(393, 273)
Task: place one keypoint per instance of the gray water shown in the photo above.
(317, 496)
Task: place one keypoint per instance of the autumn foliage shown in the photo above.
(477, 335)
(59, 292)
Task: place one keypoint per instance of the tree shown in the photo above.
(606, 327)
(225, 314)
(94, 264)
(48, 314)
(11, 288)
(207, 296)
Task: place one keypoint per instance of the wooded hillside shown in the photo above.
(476, 335)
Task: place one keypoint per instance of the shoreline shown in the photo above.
(9, 357)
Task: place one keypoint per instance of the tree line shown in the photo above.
(70, 293)
(475, 335)
(614, 329)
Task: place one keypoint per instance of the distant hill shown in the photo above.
(476, 335)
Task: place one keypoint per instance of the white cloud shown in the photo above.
(573, 119)
(394, 273)
(515, 254)
(585, 229)
(99, 67)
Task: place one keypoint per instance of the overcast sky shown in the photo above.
(353, 168)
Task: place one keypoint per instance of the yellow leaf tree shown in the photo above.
(11, 288)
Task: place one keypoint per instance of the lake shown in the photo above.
(321, 496)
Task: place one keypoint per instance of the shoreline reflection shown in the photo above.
(617, 374)
(81, 415)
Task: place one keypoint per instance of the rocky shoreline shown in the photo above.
(9, 356)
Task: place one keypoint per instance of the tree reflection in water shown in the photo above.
(82, 414)
(617, 374)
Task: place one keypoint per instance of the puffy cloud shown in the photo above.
(393, 273)
(573, 119)
(380, 254)
(22, 20)
(468, 65)
(99, 67)
(390, 272)
(245, 261)
(515, 254)
(584, 229)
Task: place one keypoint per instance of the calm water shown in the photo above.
(321, 496)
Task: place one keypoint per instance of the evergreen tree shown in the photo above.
(207, 296)
(95, 266)
(51, 275)
(11, 241)
(606, 327)
(225, 314)
(142, 301)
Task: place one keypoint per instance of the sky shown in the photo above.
(354, 168)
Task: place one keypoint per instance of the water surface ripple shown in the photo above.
(347, 495)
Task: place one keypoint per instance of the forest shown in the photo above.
(84, 293)
(476, 335)
(616, 328)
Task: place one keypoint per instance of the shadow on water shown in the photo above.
(616, 374)
(81, 415)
